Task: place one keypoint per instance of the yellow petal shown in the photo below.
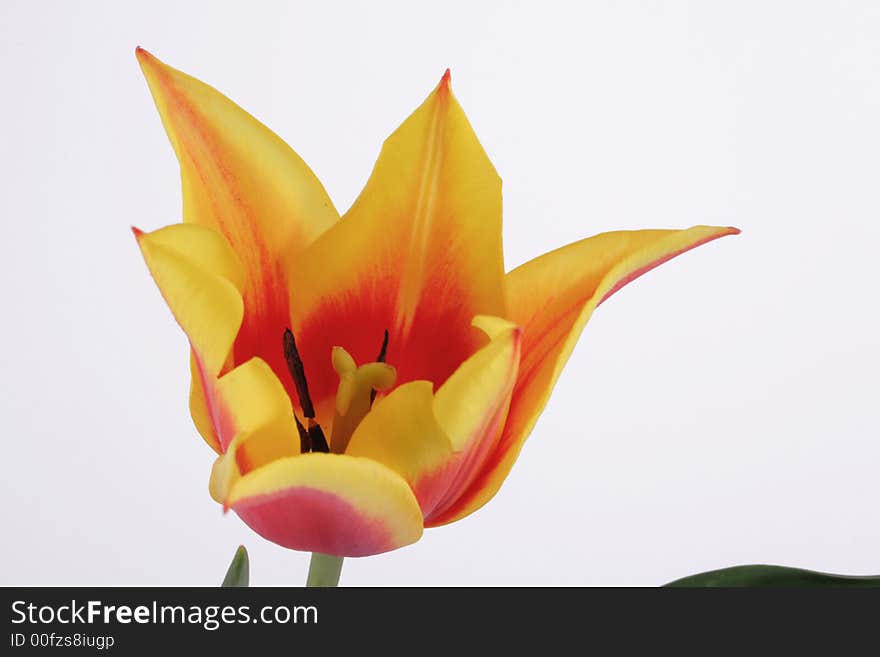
(419, 253)
(438, 443)
(402, 432)
(197, 274)
(552, 297)
(482, 381)
(242, 180)
(329, 503)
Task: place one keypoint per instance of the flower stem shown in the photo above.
(324, 570)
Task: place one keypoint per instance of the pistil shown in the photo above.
(356, 392)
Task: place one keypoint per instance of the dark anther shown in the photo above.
(384, 350)
(295, 365)
(316, 438)
(380, 359)
(311, 439)
(305, 444)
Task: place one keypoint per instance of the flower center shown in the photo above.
(354, 396)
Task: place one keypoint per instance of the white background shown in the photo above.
(721, 410)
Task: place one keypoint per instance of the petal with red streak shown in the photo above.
(419, 253)
(242, 180)
(573, 281)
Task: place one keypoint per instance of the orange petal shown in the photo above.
(419, 253)
(572, 282)
(241, 179)
(438, 443)
(329, 503)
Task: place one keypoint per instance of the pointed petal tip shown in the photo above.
(445, 81)
(636, 273)
(137, 233)
(148, 62)
(143, 55)
(724, 231)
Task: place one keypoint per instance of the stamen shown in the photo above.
(380, 359)
(305, 444)
(311, 439)
(384, 350)
(316, 438)
(297, 371)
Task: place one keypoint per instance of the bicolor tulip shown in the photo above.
(361, 378)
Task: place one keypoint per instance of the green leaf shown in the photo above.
(238, 573)
(775, 576)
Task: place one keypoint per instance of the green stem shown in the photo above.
(324, 570)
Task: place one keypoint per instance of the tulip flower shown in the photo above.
(364, 377)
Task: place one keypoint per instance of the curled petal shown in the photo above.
(252, 417)
(552, 297)
(199, 277)
(247, 452)
(251, 397)
(329, 503)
